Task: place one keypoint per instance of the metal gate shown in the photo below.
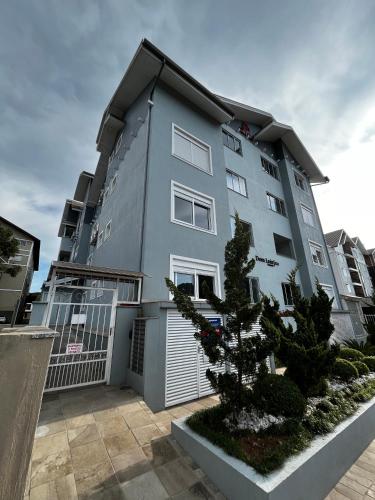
(84, 317)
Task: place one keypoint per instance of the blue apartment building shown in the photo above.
(176, 163)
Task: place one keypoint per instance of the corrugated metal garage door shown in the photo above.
(186, 363)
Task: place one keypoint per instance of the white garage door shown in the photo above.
(186, 363)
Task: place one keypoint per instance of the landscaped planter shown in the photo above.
(310, 475)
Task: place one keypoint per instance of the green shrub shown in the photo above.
(278, 395)
(358, 345)
(350, 354)
(344, 370)
(361, 367)
(369, 362)
(370, 350)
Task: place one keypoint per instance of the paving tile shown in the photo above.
(360, 479)
(336, 495)
(176, 476)
(137, 419)
(83, 435)
(131, 464)
(50, 415)
(63, 488)
(146, 434)
(354, 485)
(179, 411)
(74, 422)
(114, 493)
(120, 443)
(196, 492)
(129, 407)
(106, 414)
(348, 492)
(50, 428)
(50, 467)
(359, 471)
(208, 402)
(112, 426)
(95, 478)
(50, 444)
(160, 451)
(370, 493)
(364, 464)
(194, 406)
(145, 487)
(88, 455)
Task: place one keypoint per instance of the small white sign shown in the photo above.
(74, 348)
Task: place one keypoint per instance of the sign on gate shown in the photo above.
(74, 348)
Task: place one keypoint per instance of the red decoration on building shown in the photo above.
(245, 130)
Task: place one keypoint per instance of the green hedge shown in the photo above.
(361, 367)
(370, 362)
(344, 370)
(350, 354)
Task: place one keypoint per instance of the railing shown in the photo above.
(369, 318)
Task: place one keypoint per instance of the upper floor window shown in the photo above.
(236, 183)
(308, 215)
(331, 294)
(232, 142)
(300, 181)
(118, 143)
(276, 204)
(191, 208)
(287, 294)
(189, 275)
(113, 182)
(270, 168)
(107, 231)
(100, 239)
(253, 289)
(190, 149)
(283, 246)
(245, 225)
(317, 254)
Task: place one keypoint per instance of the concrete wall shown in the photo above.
(343, 326)
(23, 367)
(37, 313)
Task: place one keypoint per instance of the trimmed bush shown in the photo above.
(369, 362)
(278, 395)
(344, 370)
(350, 354)
(361, 367)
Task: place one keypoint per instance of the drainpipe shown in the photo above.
(146, 167)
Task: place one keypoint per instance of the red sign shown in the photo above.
(74, 348)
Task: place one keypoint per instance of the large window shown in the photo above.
(283, 246)
(287, 294)
(190, 149)
(331, 294)
(276, 204)
(317, 254)
(236, 183)
(300, 181)
(232, 142)
(193, 209)
(253, 289)
(270, 168)
(245, 225)
(308, 215)
(193, 277)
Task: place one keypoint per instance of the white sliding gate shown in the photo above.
(84, 317)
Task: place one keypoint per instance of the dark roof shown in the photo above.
(36, 248)
(333, 238)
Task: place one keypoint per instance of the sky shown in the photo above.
(310, 63)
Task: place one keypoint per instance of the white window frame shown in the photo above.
(113, 182)
(192, 195)
(320, 247)
(264, 161)
(325, 286)
(302, 178)
(310, 211)
(233, 174)
(187, 265)
(100, 291)
(92, 290)
(100, 239)
(268, 194)
(107, 233)
(198, 142)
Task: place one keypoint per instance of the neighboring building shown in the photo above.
(13, 290)
(176, 163)
(348, 257)
(28, 306)
(370, 262)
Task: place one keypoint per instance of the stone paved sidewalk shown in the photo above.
(105, 443)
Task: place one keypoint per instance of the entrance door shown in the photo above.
(83, 318)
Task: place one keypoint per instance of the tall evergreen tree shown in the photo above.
(8, 249)
(305, 350)
(231, 343)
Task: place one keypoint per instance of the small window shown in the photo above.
(331, 294)
(190, 149)
(300, 181)
(283, 246)
(287, 294)
(113, 182)
(276, 204)
(307, 215)
(270, 168)
(232, 142)
(253, 289)
(68, 231)
(189, 276)
(245, 225)
(100, 239)
(192, 208)
(107, 231)
(317, 254)
(236, 183)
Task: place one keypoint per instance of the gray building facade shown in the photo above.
(176, 163)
